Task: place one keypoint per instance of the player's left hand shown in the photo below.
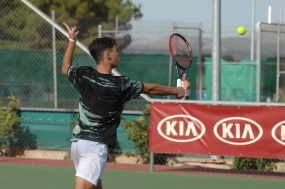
(71, 32)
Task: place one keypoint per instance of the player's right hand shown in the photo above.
(180, 92)
(71, 31)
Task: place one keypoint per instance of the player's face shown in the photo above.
(115, 57)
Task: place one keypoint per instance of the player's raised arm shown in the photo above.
(68, 56)
(161, 90)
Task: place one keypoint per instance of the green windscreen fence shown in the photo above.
(30, 76)
(155, 69)
(52, 131)
(238, 81)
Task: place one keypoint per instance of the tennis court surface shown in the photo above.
(29, 173)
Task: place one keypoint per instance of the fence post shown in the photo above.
(200, 61)
(258, 61)
(252, 31)
(278, 57)
(170, 62)
(99, 31)
(54, 61)
(151, 161)
(116, 27)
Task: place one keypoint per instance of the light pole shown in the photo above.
(252, 30)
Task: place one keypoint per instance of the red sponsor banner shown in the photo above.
(246, 131)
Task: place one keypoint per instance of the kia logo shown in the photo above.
(278, 132)
(238, 131)
(181, 128)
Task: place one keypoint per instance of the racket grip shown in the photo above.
(179, 83)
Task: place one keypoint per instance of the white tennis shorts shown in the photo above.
(89, 159)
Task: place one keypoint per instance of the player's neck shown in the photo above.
(102, 68)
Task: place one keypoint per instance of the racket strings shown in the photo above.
(181, 52)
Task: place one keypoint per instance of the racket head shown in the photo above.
(180, 50)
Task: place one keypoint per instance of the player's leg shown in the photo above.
(81, 183)
(99, 185)
(89, 159)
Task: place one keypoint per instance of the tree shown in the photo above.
(14, 138)
(137, 131)
(88, 14)
(13, 25)
(20, 24)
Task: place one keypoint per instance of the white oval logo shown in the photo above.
(238, 131)
(281, 129)
(181, 128)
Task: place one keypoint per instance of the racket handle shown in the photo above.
(179, 83)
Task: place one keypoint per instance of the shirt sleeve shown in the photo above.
(75, 74)
(132, 89)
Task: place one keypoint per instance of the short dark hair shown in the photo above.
(98, 45)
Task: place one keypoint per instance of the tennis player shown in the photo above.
(102, 99)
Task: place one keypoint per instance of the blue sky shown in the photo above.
(233, 12)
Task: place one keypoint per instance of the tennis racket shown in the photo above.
(181, 53)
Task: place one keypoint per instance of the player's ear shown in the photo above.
(107, 54)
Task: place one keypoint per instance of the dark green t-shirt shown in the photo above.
(101, 102)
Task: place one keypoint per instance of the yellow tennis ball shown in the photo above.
(241, 30)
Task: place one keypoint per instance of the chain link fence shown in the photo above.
(270, 50)
(28, 64)
(31, 70)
